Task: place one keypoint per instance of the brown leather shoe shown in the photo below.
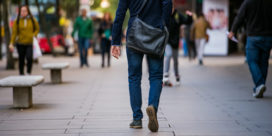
(153, 124)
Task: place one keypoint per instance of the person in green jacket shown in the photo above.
(84, 26)
(24, 29)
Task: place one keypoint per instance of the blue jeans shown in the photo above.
(83, 46)
(155, 66)
(258, 53)
(170, 52)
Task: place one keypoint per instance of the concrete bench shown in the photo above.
(22, 89)
(55, 71)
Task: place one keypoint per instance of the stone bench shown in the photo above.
(22, 89)
(55, 71)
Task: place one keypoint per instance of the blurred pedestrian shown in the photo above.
(84, 27)
(172, 48)
(154, 13)
(24, 30)
(199, 34)
(105, 37)
(190, 43)
(256, 14)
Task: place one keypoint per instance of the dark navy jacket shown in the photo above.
(174, 27)
(154, 13)
(257, 15)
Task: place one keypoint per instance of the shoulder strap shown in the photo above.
(142, 6)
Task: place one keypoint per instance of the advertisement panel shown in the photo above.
(217, 13)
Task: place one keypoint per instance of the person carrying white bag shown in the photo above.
(25, 28)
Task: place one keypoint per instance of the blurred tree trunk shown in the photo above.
(77, 8)
(44, 27)
(1, 30)
(71, 7)
(58, 11)
(26, 2)
(10, 60)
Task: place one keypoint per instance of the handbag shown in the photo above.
(147, 39)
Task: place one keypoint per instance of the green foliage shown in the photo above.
(112, 9)
(66, 4)
(70, 6)
(96, 4)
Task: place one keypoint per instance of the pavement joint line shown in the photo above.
(35, 119)
(90, 94)
(248, 129)
(225, 111)
(65, 131)
(247, 119)
(229, 115)
(270, 133)
(174, 134)
(237, 122)
(29, 129)
(258, 126)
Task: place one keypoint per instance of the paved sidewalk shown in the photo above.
(213, 100)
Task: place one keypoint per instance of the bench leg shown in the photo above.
(56, 76)
(22, 97)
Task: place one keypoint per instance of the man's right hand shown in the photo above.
(115, 51)
(230, 35)
(11, 47)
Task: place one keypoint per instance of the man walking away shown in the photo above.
(257, 15)
(155, 13)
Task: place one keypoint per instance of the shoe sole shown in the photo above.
(136, 127)
(260, 95)
(153, 124)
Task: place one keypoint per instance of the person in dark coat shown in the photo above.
(256, 14)
(154, 13)
(190, 43)
(105, 36)
(172, 48)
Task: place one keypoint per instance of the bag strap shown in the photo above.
(142, 7)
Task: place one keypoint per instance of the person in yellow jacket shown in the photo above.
(24, 29)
